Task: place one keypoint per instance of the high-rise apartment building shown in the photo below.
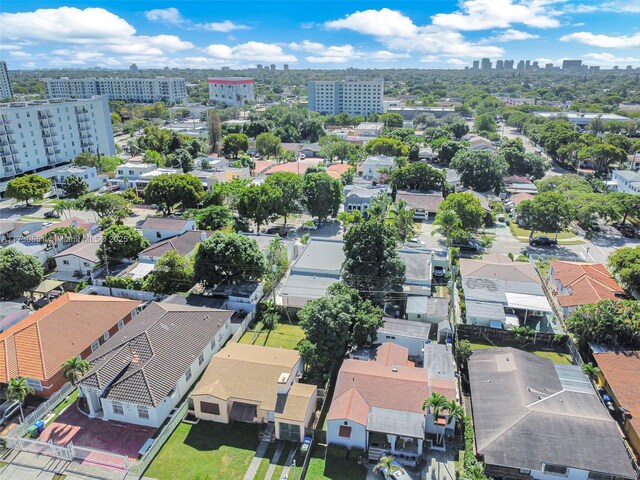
(508, 64)
(476, 64)
(133, 69)
(500, 65)
(571, 65)
(234, 91)
(353, 96)
(485, 64)
(141, 90)
(520, 65)
(41, 135)
(5, 84)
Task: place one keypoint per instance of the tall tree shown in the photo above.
(402, 217)
(447, 221)
(121, 241)
(322, 195)
(371, 264)
(547, 212)
(625, 264)
(74, 186)
(235, 143)
(268, 144)
(19, 390)
(468, 209)
(172, 273)
(419, 176)
(213, 217)
(260, 203)
(612, 322)
(74, 369)
(485, 123)
(479, 170)
(228, 256)
(386, 146)
(169, 190)
(601, 157)
(28, 187)
(106, 205)
(18, 272)
(290, 185)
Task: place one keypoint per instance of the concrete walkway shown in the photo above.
(257, 459)
(287, 465)
(442, 466)
(274, 461)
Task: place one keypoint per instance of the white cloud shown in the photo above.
(171, 16)
(616, 6)
(321, 53)
(226, 26)
(251, 51)
(485, 14)
(380, 23)
(603, 41)
(512, 34)
(608, 59)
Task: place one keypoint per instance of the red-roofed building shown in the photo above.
(575, 284)
(336, 170)
(69, 222)
(377, 405)
(261, 167)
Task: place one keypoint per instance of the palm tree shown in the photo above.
(446, 221)
(18, 390)
(74, 368)
(436, 403)
(456, 411)
(378, 208)
(402, 216)
(64, 206)
(591, 370)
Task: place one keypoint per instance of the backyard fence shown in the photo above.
(467, 331)
(44, 408)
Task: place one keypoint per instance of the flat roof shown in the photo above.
(321, 255)
(405, 328)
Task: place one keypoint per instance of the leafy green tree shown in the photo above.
(602, 157)
(74, 186)
(625, 204)
(260, 203)
(172, 273)
(268, 144)
(547, 212)
(151, 156)
(446, 221)
(28, 187)
(74, 369)
(462, 352)
(485, 123)
(458, 129)
(68, 235)
(169, 190)
(235, 143)
(181, 158)
(322, 195)
(290, 185)
(18, 272)
(419, 176)
(228, 256)
(402, 218)
(386, 146)
(448, 149)
(87, 159)
(468, 209)
(391, 120)
(311, 129)
(18, 389)
(371, 264)
(426, 120)
(255, 128)
(625, 264)
(121, 241)
(333, 148)
(215, 129)
(479, 170)
(213, 217)
(106, 205)
(612, 322)
(531, 165)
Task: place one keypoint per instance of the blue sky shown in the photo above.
(316, 34)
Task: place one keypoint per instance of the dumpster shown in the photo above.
(33, 431)
(40, 425)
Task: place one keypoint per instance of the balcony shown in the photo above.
(43, 115)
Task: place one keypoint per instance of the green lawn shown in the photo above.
(284, 335)
(337, 469)
(564, 235)
(264, 464)
(73, 396)
(208, 450)
(543, 269)
(555, 357)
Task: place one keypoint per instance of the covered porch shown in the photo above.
(400, 434)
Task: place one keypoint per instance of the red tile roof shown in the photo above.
(69, 222)
(295, 167)
(621, 371)
(37, 346)
(262, 165)
(588, 282)
(392, 354)
(518, 198)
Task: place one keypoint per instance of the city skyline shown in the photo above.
(399, 34)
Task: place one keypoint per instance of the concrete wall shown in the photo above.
(358, 434)
(74, 263)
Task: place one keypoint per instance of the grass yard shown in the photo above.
(207, 450)
(337, 469)
(543, 269)
(556, 357)
(73, 396)
(563, 237)
(284, 335)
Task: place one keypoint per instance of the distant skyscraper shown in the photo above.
(534, 65)
(133, 69)
(285, 67)
(273, 67)
(356, 97)
(476, 64)
(259, 67)
(527, 65)
(571, 65)
(548, 66)
(520, 65)
(5, 84)
(127, 89)
(508, 64)
(594, 69)
(485, 64)
(500, 65)
(615, 67)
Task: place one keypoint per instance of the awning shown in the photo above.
(46, 286)
(522, 301)
(243, 412)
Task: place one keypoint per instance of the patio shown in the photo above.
(115, 437)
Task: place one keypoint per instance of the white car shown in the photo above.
(309, 225)
(415, 241)
(302, 156)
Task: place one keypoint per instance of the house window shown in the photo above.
(555, 469)
(120, 324)
(117, 408)
(143, 412)
(65, 262)
(105, 336)
(95, 345)
(599, 476)
(201, 359)
(187, 376)
(344, 431)
(210, 408)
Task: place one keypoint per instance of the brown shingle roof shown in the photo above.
(297, 402)
(183, 244)
(588, 282)
(392, 354)
(164, 223)
(38, 345)
(428, 202)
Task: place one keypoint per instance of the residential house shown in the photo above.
(77, 262)
(500, 293)
(360, 197)
(620, 375)
(377, 405)
(453, 179)
(369, 129)
(183, 244)
(143, 180)
(427, 154)
(574, 284)
(625, 181)
(633, 162)
(73, 324)
(514, 184)
(254, 384)
(373, 166)
(408, 334)
(155, 229)
(261, 166)
(142, 372)
(536, 419)
(311, 149)
(419, 265)
(226, 174)
(516, 199)
(128, 173)
(427, 309)
(423, 204)
(317, 267)
(477, 143)
(76, 222)
(87, 174)
(336, 170)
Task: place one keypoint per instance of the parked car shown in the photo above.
(8, 410)
(415, 241)
(542, 241)
(438, 271)
(394, 471)
(113, 188)
(52, 214)
(302, 156)
(310, 225)
(470, 246)
(283, 232)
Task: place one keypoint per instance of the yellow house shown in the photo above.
(249, 383)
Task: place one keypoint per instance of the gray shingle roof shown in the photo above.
(164, 223)
(143, 361)
(184, 244)
(395, 422)
(524, 415)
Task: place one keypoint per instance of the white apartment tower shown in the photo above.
(38, 136)
(353, 96)
(141, 90)
(233, 91)
(5, 84)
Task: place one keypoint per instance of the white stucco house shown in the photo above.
(87, 174)
(625, 181)
(77, 262)
(372, 165)
(131, 378)
(155, 229)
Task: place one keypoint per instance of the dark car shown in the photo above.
(542, 241)
(52, 214)
(470, 246)
(283, 232)
(8, 410)
(626, 230)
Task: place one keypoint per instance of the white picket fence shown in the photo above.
(41, 411)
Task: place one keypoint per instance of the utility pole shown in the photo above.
(106, 264)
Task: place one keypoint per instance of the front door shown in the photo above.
(289, 432)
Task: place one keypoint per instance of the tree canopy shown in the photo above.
(172, 273)
(169, 190)
(468, 209)
(290, 185)
(625, 264)
(419, 176)
(479, 170)
(74, 186)
(121, 241)
(268, 144)
(235, 143)
(28, 187)
(18, 272)
(547, 212)
(322, 195)
(259, 203)
(213, 217)
(614, 322)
